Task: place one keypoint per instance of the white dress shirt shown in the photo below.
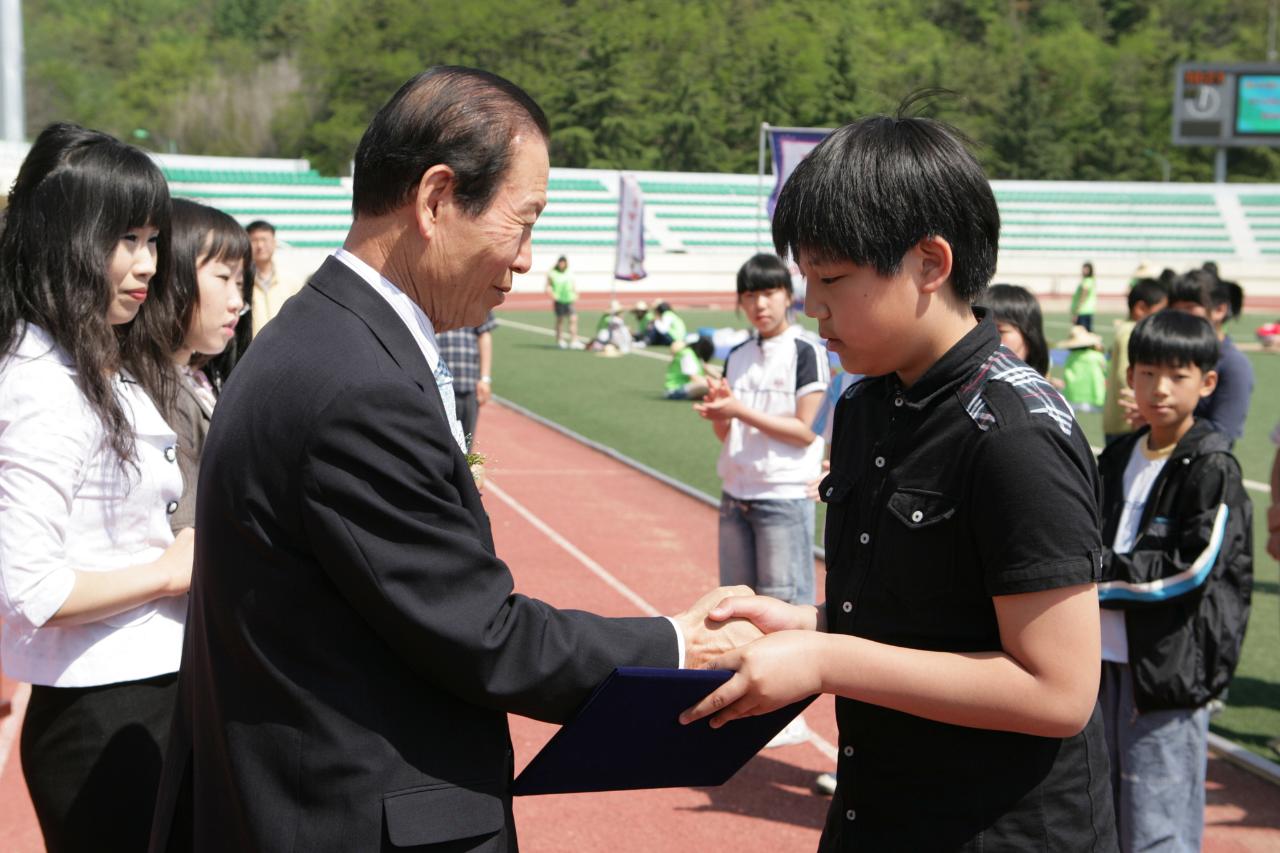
(424, 334)
(419, 326)
(67, 505)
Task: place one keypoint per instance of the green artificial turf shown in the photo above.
(618, 402)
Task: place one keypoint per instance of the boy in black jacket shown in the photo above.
(1177, 580)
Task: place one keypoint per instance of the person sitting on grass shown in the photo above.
(667, 326)
(1178, 574)
(687, 372)
(962, 539)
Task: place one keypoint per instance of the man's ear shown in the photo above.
(434, 188)
(1208, 382)
(935, 263)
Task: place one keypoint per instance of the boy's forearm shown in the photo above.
(721, 429)
(989, 690)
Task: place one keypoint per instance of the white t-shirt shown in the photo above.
(1140, 475)
(770, 375)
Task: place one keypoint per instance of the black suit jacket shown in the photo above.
(353, 643)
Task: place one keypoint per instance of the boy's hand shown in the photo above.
(768, 614)
(1129, 405)
(770, 673)
(1273, 545)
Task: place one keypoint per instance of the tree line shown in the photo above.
(1047, 89)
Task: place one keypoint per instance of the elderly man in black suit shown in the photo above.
(354, 644)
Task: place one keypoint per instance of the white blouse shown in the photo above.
(67, 505)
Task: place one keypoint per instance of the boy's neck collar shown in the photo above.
(948, 335)
(956, 364)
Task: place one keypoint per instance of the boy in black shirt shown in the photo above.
(962, 533)
(1178, 579)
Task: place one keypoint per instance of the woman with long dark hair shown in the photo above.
(92, 579)
(212, 259)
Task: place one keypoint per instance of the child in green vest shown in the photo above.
(687, 372)
(1084, 376)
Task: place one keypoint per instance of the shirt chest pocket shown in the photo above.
(919, 545)
(837, 492)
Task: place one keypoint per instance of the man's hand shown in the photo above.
(769, 674)
(1273, 545)
(484, 391)
(706, 640)
(768, 614)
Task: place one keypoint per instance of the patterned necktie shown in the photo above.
(444, 381)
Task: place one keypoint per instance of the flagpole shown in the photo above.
(764, 134)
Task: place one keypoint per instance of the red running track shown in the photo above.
(581, 530)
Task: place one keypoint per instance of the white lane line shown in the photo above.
(13, 723)
(592, 566)
(819, 742)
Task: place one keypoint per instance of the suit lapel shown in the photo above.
(339, 283)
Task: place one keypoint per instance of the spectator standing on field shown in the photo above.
(1146, 296)
(271, 289)
(563, 293)
(468, 354)
(1085, 301)
(1202, 293)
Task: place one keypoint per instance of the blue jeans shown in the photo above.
(768, 546)
(1158, 764)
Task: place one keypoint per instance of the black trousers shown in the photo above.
(92, 756)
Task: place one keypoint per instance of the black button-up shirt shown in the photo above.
(974, 482)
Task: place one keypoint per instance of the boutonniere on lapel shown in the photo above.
(475, 461)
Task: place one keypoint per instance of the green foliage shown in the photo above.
(1050, 89)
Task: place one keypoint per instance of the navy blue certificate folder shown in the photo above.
(627, 736)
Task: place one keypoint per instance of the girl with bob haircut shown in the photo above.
(1016, 313)
(212, 271)
(91, 576)
(762, 411)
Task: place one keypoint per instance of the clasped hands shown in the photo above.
(772, 647)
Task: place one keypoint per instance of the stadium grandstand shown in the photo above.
(698, 226)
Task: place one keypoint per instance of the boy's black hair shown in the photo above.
(1174, 339)
(763, 272)
(1017, 306)
(875, 188)
(704, 348)
(1208, 291)
(1147, 291)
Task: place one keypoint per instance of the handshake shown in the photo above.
(727, 628)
